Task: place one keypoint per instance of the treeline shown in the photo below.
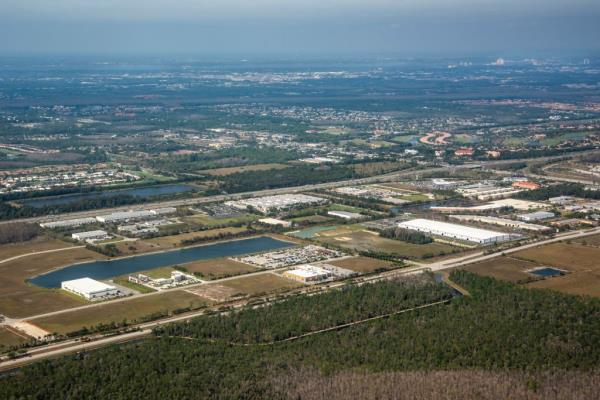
(9, 212)
(293, 176)
(405, 236)
(499, 328)
(303, 314)
(563, 189)
(16, 232)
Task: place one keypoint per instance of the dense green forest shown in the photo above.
(563, 189)
(229, 157)
(500, 330)
(303, 314)
(293, 176)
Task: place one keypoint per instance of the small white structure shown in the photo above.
(275, 221)
(454, 231)
(90, 235)
(307, 273)
(536, 216)
(345, 215)
(90, 289)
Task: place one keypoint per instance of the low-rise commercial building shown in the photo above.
(307, 274)
(68, 223)
(124, 216)
(277, 203)
(90, 235)
(536, 216)
(90, 289)
(509, 223)
(275, 222)
(345, 215)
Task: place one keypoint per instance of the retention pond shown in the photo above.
(112, 268)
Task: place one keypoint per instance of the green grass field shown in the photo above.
(118, 311)
(8, 339)
(370, 241)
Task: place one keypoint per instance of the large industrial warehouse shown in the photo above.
(455, 231)
(90, 289)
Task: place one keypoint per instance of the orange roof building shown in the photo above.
(464, 151)
(526, 185)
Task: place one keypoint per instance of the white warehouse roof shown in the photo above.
(87, 285)
(455, 231)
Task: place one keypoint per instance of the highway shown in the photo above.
(75, 345)
(389, 177)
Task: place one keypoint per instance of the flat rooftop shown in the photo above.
(87, 285)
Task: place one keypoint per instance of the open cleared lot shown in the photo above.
(173, 241)
(563, 255)
(371, 241)
(593, 240)
(504, 268)
(362, 264)
(581, 262)
(579, 283)
(234, 170)
(263, 283)
(218, 268)
(131, 310)
(8, 339)
(20, 299)
(213, 292)
(39, 244)
(209, 221)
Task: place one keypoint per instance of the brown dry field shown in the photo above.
(19, 299)
(233, 170)
(8, 339)
(38, 244)
(219, 268)
(168, 242)
(593, 240)
(578, 283)
(563, 255)
(117, 311)
(258, 284)
(213, 292)
(582, 262)
(504, 268)
(362, 264)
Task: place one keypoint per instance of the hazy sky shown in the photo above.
(247, 27)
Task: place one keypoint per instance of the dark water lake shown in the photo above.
(547, 272)
(101, 270)
(138, 192)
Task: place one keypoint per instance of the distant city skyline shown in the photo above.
(410, 27)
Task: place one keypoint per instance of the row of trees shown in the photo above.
(564, 189)
(16, 232)
(405, 235)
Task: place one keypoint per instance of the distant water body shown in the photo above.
(101, 270)
(138, 192)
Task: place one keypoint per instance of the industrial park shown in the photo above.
(309, 211)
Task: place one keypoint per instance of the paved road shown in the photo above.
(71, 346)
